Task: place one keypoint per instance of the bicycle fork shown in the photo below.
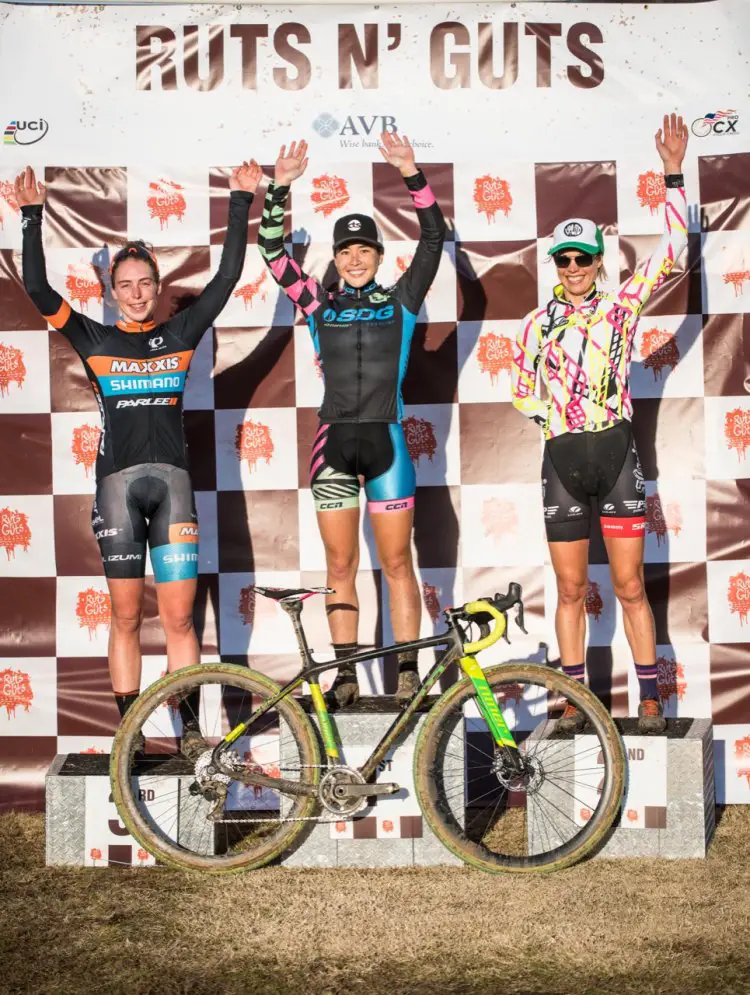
(491, 713)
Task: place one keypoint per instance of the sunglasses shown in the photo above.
(581, 260)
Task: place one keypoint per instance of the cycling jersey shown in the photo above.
(580, 467)
(138, 370)
(377, 452)
(581, 353)
(153, 504)
(361, 336)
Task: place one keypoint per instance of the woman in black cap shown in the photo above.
(362, 334)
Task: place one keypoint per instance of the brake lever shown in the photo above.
(506, 637)
(520, 618)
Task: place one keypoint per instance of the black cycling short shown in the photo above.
(150, 503)
(579, 467)
(376, 451)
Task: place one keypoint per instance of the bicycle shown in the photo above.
(486, 754)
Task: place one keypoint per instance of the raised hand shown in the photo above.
(398, 152)
(246, 177)
(291, 164)
(671, 143)
(28, 190)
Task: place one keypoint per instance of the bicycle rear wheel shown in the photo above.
(178, 810)
(494, 817)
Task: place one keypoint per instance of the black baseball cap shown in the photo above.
(359, 228)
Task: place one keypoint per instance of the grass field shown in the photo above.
(639, 926)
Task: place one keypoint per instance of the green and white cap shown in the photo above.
(577, 233)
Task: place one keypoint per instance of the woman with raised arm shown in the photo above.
(571, 375)
(138, 371)
(362, 334)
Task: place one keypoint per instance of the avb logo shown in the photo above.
(355, 126)
(25, 132)
(716, 123)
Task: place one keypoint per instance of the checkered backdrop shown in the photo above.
(124, 161)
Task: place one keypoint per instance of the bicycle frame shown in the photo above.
(455, 651)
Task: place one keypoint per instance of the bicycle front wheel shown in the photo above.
(186, 814)
(542, 815)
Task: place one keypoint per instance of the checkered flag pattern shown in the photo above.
(251, 415)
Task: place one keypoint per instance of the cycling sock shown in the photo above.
(342, 650)
(125, 700)
(577, 671)
(646, 674)
(190, 707)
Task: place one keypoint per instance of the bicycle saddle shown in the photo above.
(289, 594)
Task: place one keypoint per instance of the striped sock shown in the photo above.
(647, 680)
(577, 671)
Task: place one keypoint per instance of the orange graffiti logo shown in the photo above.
(737, 279)
(632, 814)
(167, 202)
(84, 283)
(12, 369)
(92, 749)
(250, 290)
(499, 518)
(742, 747)
(95, 853)
(85, 445)
(593, 603)
(93, 608)
(15, 690)
(142, 855)
(652, 191)
(7, 194)
(659, 521)
(420, 438)
(388, 826)
(340, 827)
(247, 605)
(252, 442)
(737, 430)
(404, 262)
(495, 355)
(744, 772)
(670, 678)
(329, 194)
(269, 770)
(510, 692)
(585, 814)
(491, 194)
(738, 595)
(659, 350)
(431, 600)
(14, 531)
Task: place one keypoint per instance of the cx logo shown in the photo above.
(718, 123)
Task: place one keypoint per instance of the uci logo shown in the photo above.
(718, 123)
(25, 132)
(358, 314)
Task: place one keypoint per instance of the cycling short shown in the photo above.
(376, 451)
(150, 503)
(579, 467)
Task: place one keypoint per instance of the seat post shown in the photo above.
(294, 611)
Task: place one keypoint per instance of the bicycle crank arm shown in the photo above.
(365, 790)
(274, 783)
